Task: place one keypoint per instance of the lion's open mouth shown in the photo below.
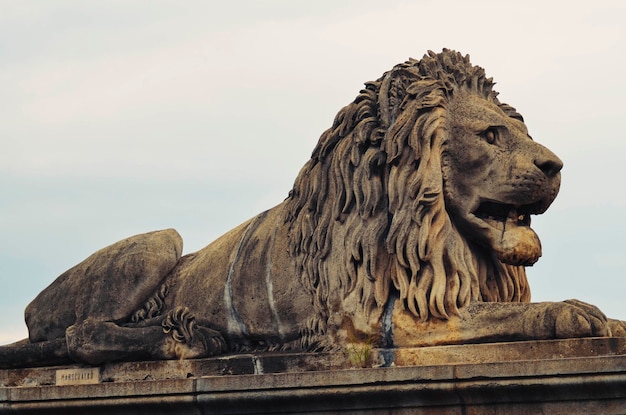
(508, 230)
(501, 214)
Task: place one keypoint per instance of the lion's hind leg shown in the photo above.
(109, 285)
(187, 339)
(175, 335)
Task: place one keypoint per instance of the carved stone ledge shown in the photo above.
(577, 376)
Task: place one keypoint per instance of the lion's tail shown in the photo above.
(25, 354)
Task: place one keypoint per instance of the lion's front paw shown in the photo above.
(574, 318)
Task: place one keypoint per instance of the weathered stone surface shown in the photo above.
(409, 226)
(98, 287)
(560, 376)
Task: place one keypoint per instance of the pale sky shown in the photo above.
(122, 117)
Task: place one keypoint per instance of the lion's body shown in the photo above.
(242, 283)
(409, 222)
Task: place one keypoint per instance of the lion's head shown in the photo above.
(495, 177)
(424, 185)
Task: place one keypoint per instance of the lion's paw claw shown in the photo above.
(574, 318)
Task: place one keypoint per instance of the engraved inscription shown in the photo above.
(84, 376)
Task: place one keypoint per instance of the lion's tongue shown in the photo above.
(514, 244)
(517, 245)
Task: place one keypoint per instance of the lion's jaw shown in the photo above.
(509, 235)
(495, 178)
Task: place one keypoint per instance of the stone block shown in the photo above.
(557, 376)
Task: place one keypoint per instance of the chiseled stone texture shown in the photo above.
(409, 226)
(560, 376)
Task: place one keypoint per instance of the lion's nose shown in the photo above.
(548, 162)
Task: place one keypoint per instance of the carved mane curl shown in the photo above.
(373, 188)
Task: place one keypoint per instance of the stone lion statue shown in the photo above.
(409, 225)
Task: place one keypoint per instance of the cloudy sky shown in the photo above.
(121, 117)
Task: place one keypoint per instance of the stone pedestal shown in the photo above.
(563, 376)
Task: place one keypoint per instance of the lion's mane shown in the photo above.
(373, 189)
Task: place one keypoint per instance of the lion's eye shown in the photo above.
(490, 135)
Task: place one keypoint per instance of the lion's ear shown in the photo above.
(393, 91)
(399, 86)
